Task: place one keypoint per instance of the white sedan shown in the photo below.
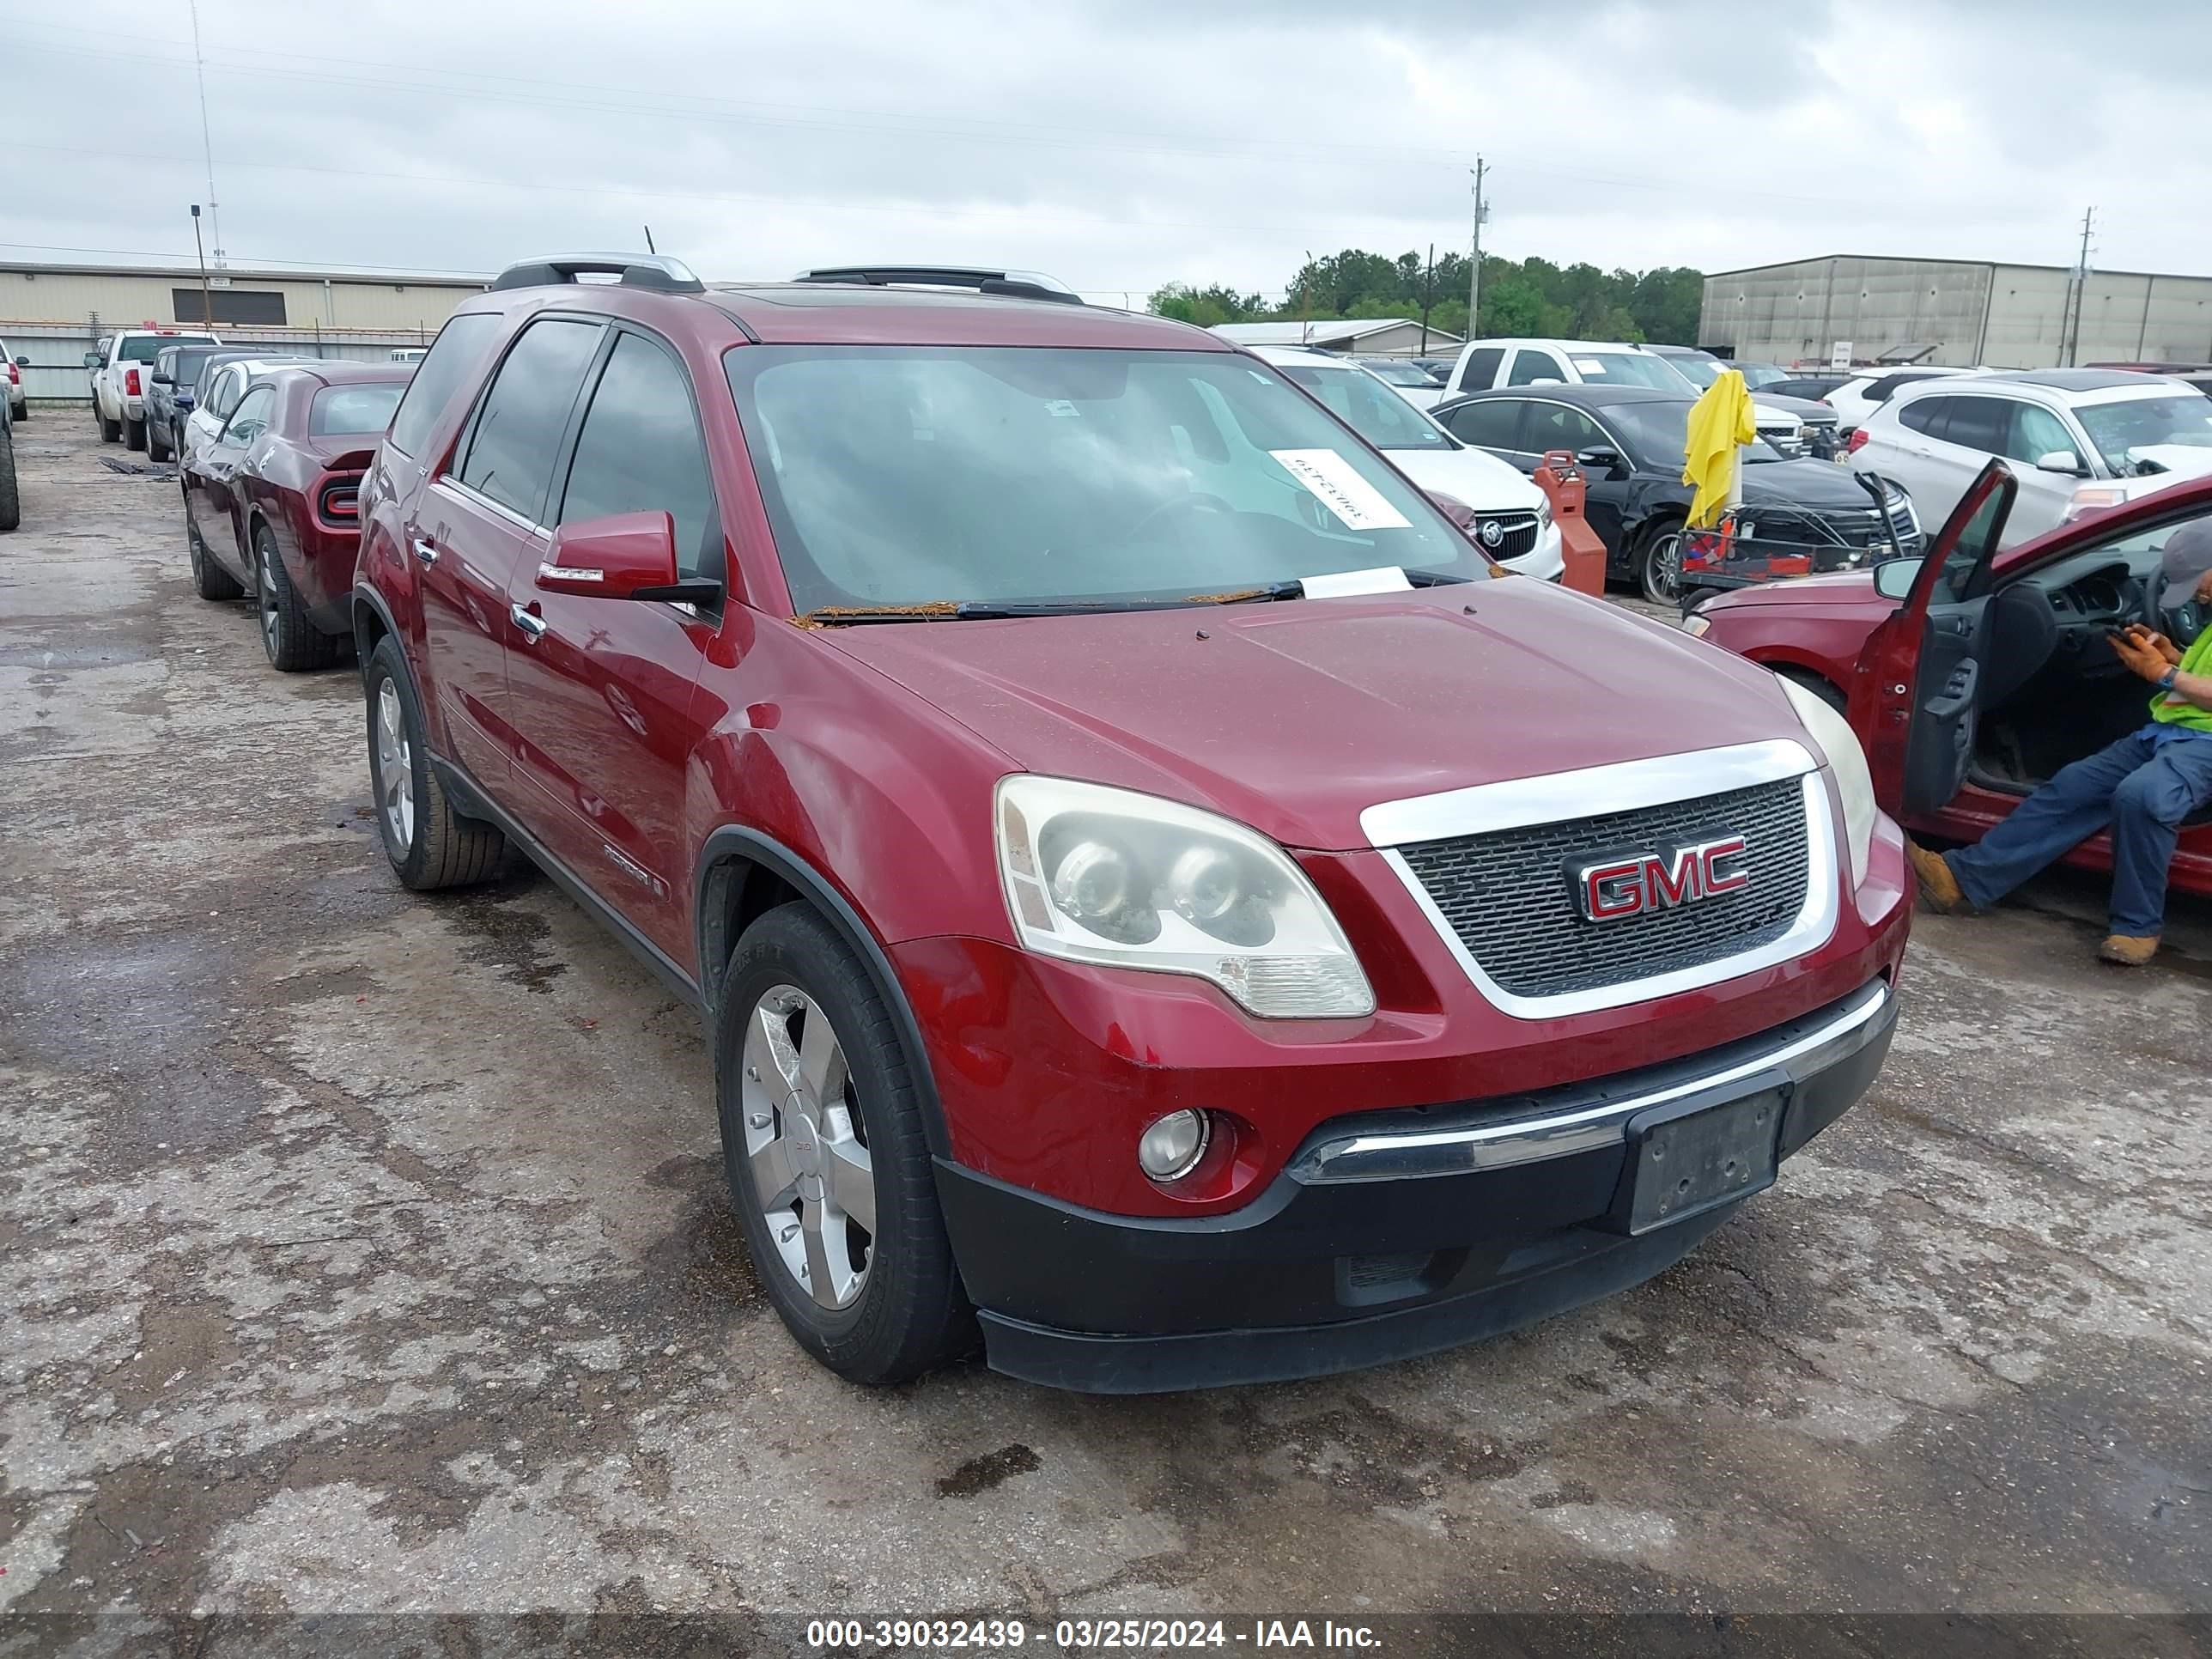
(1504, 513)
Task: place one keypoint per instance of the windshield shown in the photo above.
(2139, 423)
(1628, 368)
(188, 363)
(1756, 375)
(354, 408)
(1401, 374)
(913, 475)
(1699, 372)
(1659, 433)
(1375, 412)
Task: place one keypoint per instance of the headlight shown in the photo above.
(1846, 765)
(1543, 514)
(1109, 876)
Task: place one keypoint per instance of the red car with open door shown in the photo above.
(272, 506)
(1972, 675)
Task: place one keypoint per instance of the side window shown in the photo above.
(1980, 424)
(226, 393)
(1923, 415)
(641, 448)
(1482, 368)
(519, 424)
(251, 419)
(452, 356)
(2036, 431)
(1554, 425)
(1530, 366)
(1493, 423)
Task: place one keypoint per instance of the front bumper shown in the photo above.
(1389, 1234)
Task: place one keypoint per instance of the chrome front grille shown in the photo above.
(1508, 894)
(1517, 533)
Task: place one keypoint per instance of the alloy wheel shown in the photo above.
(806, 1146)
(265, 593)
(1662, 568)
(395, 767)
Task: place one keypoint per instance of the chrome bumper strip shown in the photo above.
(1396, 1155)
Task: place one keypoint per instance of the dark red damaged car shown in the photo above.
(271, 505)
(1163, 909)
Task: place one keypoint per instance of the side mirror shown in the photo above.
(624, 555)
(1893, 578)
(1601, 459)
(1547, 380)
(22, 362)
(92, 360)
(164, 380)
(2063, 461)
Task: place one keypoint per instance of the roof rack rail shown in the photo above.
(1009, 284)
(653, 271)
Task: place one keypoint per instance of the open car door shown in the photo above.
(1917, 686)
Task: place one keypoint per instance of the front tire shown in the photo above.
(1819, 685)
(11, 499)
(429, 844)
(1659, 563)
(158, 447)
(288, 635)
(827, 1162)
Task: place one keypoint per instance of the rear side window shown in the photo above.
(1923, 415)
(518, 425)
(640, 449)
(1482, 368)
(1554, 425)
(353, 409)
(228, 384)
(452, 356)
(1978, 424)
(1489, 424)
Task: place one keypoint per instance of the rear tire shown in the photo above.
(430, 845)
(11, 500)
(1659, 563)
(110, 431)
(210, 579)
(134, 435)
(899, 1311)
(288, 634)
(23, 411)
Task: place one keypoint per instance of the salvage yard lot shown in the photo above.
(360, 1251)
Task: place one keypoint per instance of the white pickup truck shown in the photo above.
(122, 370)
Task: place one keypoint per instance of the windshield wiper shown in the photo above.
(985, 610)
(844, 615)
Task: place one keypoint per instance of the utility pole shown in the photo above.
(1474, 273)
(1428, 294)
(206, 144)
(207, 299)
(2080, 290)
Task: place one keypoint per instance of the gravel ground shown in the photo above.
(362, 1252)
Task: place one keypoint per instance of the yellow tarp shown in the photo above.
(1720, 423)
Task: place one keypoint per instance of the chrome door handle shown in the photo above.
(425, 552)
(532, 625)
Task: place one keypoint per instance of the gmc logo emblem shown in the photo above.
(1640, 884)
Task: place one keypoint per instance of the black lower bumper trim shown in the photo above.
(1314, 1277)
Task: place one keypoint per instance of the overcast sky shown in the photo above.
(1117, 144)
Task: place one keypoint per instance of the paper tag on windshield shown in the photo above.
(1588, 365)
(1061, 407)
(1332, 481)
(1343, 583)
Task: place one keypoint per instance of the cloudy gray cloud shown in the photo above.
(1117, 143)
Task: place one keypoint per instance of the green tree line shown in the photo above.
(1519, 297)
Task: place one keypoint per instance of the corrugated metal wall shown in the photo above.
(1995, 316)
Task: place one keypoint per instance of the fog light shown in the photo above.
(1170, 1149)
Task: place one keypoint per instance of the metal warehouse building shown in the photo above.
(1954, 313)
(53, 313)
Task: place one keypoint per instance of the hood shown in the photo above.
(1829, 587)
(1805, 408)
(1481, 481)
(1803, 484)
(2180, 461)
(1294, 717)
(1763, 413)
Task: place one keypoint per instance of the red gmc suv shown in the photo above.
(1155, 896)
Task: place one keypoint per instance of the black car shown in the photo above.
(1631, 440)
(170, 393)
(1811, 387)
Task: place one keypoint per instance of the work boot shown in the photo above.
(1939, 888)
(2128, 953)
